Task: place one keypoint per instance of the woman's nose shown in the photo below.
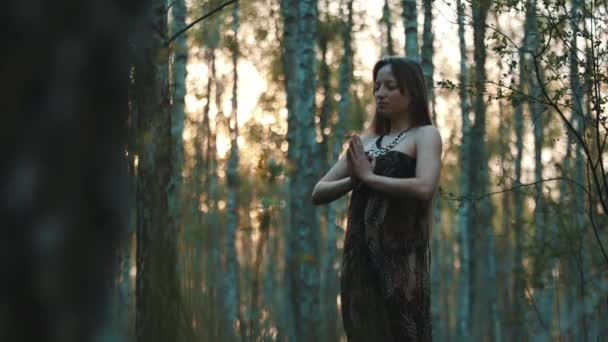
(380, 92)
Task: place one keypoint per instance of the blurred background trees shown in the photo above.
(202, 165)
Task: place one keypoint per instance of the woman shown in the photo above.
(393, 171)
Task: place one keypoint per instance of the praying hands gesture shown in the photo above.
(360, 165)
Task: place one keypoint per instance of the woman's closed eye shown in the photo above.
(389, 86)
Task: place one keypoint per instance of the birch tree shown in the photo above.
(306, 215)
(480, 174)
(231, 280)
(158, 313)
(289, 11)
(325, 33)
(64, 188)
(339, 130)
(464, 212)
(387, 47)
(410, 26)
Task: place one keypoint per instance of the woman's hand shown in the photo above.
(359, 164)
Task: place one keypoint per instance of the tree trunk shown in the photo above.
(158, 313)
(464, 212)
(306, 215)
(214, 294)
(231, 279)
(427, 54)
(290, 316)
(519, 284)
(480, 178)
(339, 130)
(65, 191)
(543, 297)
(410, 26)
(180, 61)
(327, 306)
(387, 47)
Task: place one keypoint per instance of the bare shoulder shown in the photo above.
(428, 135)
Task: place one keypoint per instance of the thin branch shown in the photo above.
(212, 12)
(538, 315)
(596, 88)
(590, 214)
(170, 5)
(521, 185)
(576, 134)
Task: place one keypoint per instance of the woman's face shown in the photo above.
(390, 102)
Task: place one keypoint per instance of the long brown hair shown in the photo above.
(408, 73)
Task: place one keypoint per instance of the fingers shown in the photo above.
(356, 146)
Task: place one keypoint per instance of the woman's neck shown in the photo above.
(398, 126)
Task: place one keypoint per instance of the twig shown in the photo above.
(521, 185)
(170, 5)
(212, 12)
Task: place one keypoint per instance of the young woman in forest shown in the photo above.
(393, 170)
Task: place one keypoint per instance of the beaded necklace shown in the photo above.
(377, 150)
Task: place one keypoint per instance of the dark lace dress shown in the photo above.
(385, 292)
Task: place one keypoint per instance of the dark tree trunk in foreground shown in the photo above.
(157, 312)
(64, 190)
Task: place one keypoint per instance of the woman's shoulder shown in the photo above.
(427, 132)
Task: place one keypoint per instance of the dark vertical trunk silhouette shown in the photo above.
(63, 174)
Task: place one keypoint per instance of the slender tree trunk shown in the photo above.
(328, 312)
(427, 54)
(464, 212)
(542, 293)
(306, 214)
(339, 130)
(428, 70)
(158, 313)
(254, 320)
(519, 284)
(387, 47)
(178, 74)
(231, 279)
(271, 300)
(410, 26)
(480, 178)
(180, 61)
(213, 222)
(290, 316)
(504, 246)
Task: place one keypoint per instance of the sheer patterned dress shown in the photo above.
(385, 293)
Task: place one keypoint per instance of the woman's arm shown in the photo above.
(333, 185)
(428, 165)
(337, 181)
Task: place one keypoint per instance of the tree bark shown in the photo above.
(306, 214)
(387, 47)
(410, 26)
(464, 212)
(289, 317)
(158, 313)
(231, 279)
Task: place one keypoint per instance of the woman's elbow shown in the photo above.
(315, 195)
(427, 193)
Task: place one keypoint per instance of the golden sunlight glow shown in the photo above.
(251, 85)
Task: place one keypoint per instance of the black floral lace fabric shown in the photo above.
(385, 291)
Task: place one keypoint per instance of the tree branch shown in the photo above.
(576, 134)
(520, 185)
(212, 12)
